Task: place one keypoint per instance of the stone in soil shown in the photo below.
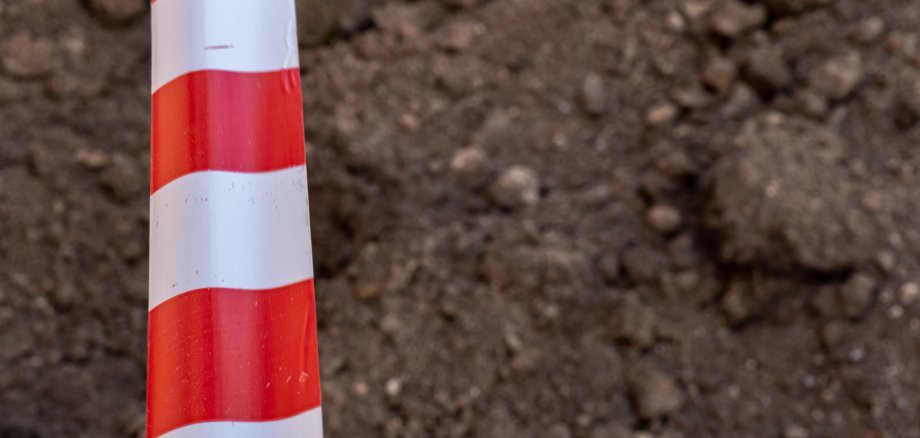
(459, 35)
(741, 100)
(92, 159)
(661, 114)
(766, 70)
(868, 30)
(737, 304)
(656, 395)
(735, 18)
(665, 219)
(27, 56)
(593, 94)
(837, 77)
(719, 73)
(558, 430)
(407, 21)
(908, 293)
(811, 103)
(117, 11)
(691, 97)
(856, 295)
(468, 166)
(633, 322)
(824, 301)
(518, 186)
(795, 431)
(675, 164)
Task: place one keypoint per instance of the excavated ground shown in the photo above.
(540, 218)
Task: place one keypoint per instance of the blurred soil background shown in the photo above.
(532, 218)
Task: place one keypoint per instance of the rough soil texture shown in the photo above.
(540, 218)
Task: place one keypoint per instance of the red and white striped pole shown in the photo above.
(232, 320)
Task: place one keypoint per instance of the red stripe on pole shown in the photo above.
(219, 120)
(232, 355)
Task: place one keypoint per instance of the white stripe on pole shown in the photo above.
(231, 35)
(231, 230)
(307, 424)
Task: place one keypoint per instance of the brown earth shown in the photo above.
(540, 218)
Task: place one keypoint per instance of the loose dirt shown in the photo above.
(541, 218)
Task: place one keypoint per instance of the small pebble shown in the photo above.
(735, 18)
(810, 103)
(361, 388)
(766, 70)
(393, 387)
(408, 122)
(741, 100)
(664, 218)
(518, 186)
(468, 165)
(676, 22)
(558, 430)
(656, 395)
(719, 73)
(661, 114)
(895, 312)
(92, 159)
(676, 164)
(593, 95)
(691, 97)
(856, 294)
(736, 305)
(837, 77)
(886, 260)
(795, 431)
(909, 293)
(634, 323)
(26, 56)
(459, 35)
(869, 29)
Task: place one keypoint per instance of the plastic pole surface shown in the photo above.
(232, 320)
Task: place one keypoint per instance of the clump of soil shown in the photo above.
(542, 218)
